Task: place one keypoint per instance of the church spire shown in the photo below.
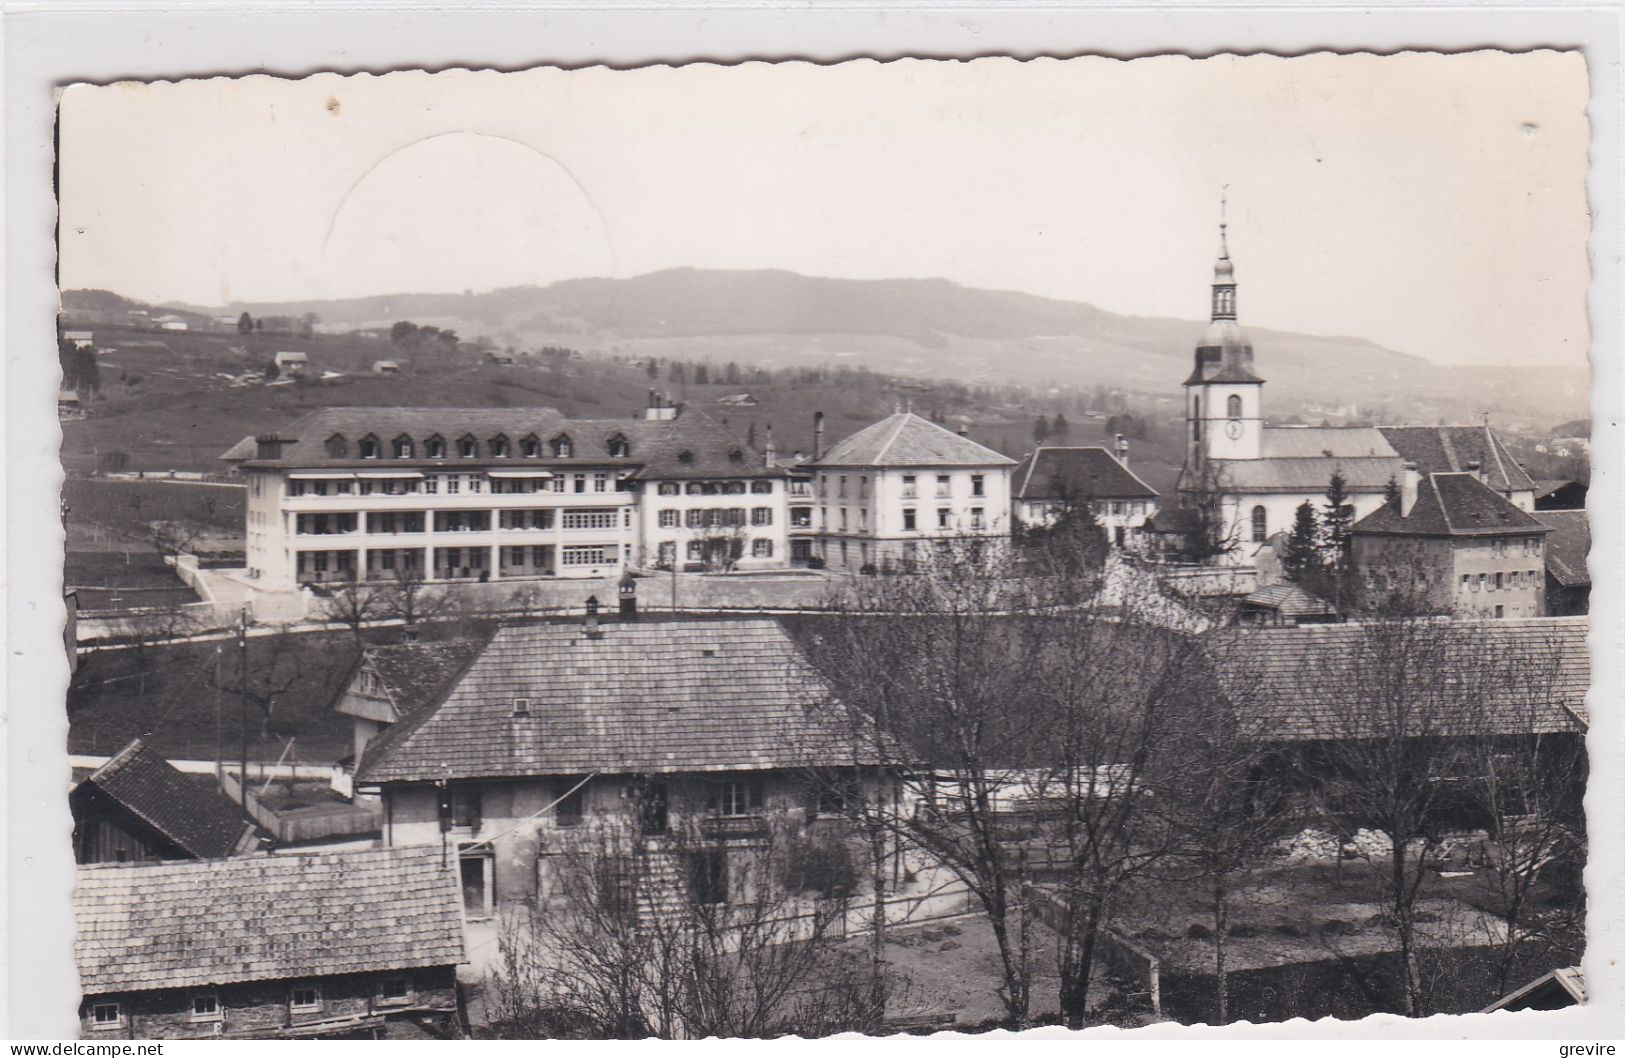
(1224, 273)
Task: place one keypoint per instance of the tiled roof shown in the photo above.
(1443, 449)
(244, 449)
(1077, 473)
(196, 816)
(1338, 442)
(186, 924)
(1306, 474)
(1325, 681)
(690, 445)
(906, 440)
(1567, 546)
(418, 674)
(1451, 505)
(1175, 520)
(650, 696)
(1290, 600)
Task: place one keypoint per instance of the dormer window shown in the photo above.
(619, 447)
(467, 447)
(369, 447)
(736, 456)
(499, 447)
(685, 457)
(562, 448)
(530, 446)
(402, 447)
(337, 447)
(435, 447)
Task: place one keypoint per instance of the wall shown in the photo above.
(261, 1008)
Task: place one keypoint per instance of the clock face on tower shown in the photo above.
(1232, 429)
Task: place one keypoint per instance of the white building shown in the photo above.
(80, 339)
(292, 363)
(1049, 480)
(488, 494)
(1254, 476)
(891, 489)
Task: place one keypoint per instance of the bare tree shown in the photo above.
(354, 605)
(684, 935)
(412, 600)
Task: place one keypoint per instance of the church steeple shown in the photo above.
(1224, 273)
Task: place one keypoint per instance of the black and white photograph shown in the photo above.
(791, 549)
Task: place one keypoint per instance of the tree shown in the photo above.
(403, 332)
(652, 368)
(1391, 496)
(682, 935)
(354, 605)
(1303, 562)
(702, 375)
(272, 371)
(412, 600)
(676, 372)
(1060, 428)
(245, 323)
(1071, 541)
(730, 374)
(1040, 430)
(1215, 534)
(1335, 524)
(307, 323)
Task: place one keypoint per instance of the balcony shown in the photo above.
(721, 828)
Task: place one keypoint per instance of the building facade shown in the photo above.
(1453, 545)
(139, 808)
(884, 496)
(372, 494)
(1049, 480)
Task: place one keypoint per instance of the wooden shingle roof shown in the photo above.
(1447, 449)
(261, 918)
(650, 696)
(1459, 677)
(1567, 547)
(1451, 505)
(198, 817)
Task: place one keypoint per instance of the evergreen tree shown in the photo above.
(731, 374)
(1335, 523)
(1060, 427)
(1302, 561)
(1391, 495)
(245, 323)
(676, 373)
(702, 375)
(1040, 430)
(652, 369)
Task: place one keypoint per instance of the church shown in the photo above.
(1242, 479)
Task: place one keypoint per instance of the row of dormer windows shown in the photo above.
(467, 447)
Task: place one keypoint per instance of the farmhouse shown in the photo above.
(385, 367)
(561, 734)
(351, 944)
(138, 808)
(292, 363)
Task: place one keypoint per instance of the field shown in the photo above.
(126, 579)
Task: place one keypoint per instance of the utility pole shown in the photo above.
(242, 696)
(219, 737)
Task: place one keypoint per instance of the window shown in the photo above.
(369, 447)
(977, 520)
(801, 517)
(823, 485)
(843, 518)
(587, 556)
(977, 483)
(761, 516)
(1500, 611)
(737, 798)
(666, 554)
(562, 449)
(708, 876)
(944, 485)
(1232, 407)
(1137, 507)
(600, 482)
(568, 812)
(402, 447)
(558, 483)
(651, 807)
(499, 447)
(467, 447)
(106, 1015)
(337, 446)
(908, 517)
(305, 998)
(944, 517)
(1466, 580)
(733, 488)
(1117, 507)
(461, 807)
(206, 1006)
(761, 488)
(685, 457)
(578, 482)
(761, 549)
(696, 551)
(435, 447)
(1498, 584)
(909, 489)
(669, 488)
(521, 707)
(394, 990)
(588, 518)
(530, 446)
(619, 447)
(1260, 524)
(668, 519)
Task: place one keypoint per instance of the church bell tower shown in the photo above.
(1224, 415)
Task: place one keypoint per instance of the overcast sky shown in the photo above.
(1434, 204)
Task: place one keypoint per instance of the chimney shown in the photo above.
(660, 409)
(964, 428)
(1476, 469)
(628, 593)
(818, 436)
(1410, 480)
(1122, 449)
(770, 455)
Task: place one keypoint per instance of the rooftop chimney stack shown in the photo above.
(1410, 480)
(660, 409)
(770, 455)
(964, 428)
(1122, 449)
(1476, 469)
(818, 435)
